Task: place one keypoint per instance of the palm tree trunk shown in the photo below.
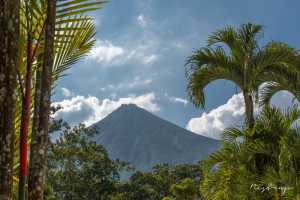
(40, 143)
(249, 109)
(9, 37)
(35, 123)
(25, 121)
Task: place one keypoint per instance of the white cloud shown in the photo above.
(178, 100)
(141, 20)
(140, 54)
(150, 59)
(231, 114)
(66, 92)
(106, 52)
(89, 110)
(212, 124)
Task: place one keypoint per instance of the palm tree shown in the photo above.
(241, 169)
(32, 50)
(285, 81)
(9, 39)
(26, 101)
(279, 138)
(39, 159)
(73, 39)
(234, 55)
(69, 35)
(225, 172)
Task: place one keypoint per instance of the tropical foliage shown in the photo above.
(235, 55)
(50, 37)
(81, 169)
(185, 190)
(260, 159)
(158, 183)
(41, 39)
(265, 167)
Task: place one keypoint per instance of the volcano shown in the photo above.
(141, 138)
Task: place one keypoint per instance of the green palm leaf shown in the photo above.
(66, 8)
(79, 41)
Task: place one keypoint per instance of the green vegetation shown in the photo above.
(185, 190)
(265, 167)
(158, 183)
(235, 55)
(41, 39)
(260, 160)
(78, 168)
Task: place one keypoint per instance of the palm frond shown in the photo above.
(226, 36)
(275, 54)
(248, 34)
(209, 57)
(74, 44)
(284, 81)
(202, 77)
(268, 91)
(232, 134)
(67, 8)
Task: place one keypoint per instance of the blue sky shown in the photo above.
(141, 50)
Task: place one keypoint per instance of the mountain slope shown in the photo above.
(134, 135)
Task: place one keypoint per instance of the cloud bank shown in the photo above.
(212, 124)
(89, 110)
(231, 114)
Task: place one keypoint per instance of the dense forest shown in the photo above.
(41, 39)
(78, 168)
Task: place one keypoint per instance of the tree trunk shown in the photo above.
(249, 109)
(35, 123)
(25, 121)
(9, 37)
(40, 139)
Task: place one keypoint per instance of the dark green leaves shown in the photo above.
(69, 8)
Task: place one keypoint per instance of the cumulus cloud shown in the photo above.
(89, 110)
(231, 114)
(141, 20)
(106, 52)
(212, 124)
